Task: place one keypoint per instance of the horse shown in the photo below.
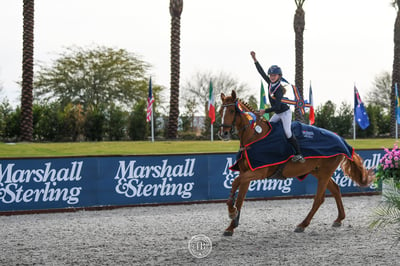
(233, 117)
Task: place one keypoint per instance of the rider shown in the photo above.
(276, 90)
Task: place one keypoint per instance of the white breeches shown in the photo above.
(286, 118)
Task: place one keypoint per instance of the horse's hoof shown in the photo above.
(228, 233)
(299, 229)
(336, 224)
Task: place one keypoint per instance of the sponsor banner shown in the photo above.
(58, 183)
(47, 183)
(155, 179)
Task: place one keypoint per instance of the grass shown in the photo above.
(8, 150)
(22, 149)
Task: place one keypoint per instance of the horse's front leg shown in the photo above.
(232, 211)
(243, 188)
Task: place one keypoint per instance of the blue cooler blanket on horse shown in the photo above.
(274, 148)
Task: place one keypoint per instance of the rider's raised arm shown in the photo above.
(259, 68)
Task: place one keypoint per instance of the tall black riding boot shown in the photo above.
(297, 157)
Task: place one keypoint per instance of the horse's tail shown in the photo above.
(356, 170)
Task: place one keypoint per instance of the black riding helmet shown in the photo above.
(274, 69)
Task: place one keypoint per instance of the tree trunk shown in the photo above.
(26, 122)
(175, 11)
(395, 74)
(299, 25)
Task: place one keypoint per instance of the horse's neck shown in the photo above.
(247, 132)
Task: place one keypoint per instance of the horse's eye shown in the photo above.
(232, 111)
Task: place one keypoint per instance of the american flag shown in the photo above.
(150, 101)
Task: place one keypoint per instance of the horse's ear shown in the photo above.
(222, 96)
(233, 95)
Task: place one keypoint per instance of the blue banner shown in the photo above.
(79, 182)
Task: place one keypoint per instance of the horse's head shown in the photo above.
(228, 115)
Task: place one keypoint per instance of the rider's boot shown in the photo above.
(297, 157)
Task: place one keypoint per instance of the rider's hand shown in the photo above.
(253, 55)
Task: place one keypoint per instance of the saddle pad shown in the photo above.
(274, 149)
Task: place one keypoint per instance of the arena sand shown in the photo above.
(160, 236)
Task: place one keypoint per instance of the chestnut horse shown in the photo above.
(321, 168)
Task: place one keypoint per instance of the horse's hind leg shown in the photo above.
(318, 200)
(335, 190)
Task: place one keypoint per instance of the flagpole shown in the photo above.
(212, 132)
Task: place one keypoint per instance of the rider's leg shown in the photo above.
(286, 118)
(298, 157)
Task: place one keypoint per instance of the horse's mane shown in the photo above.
(251, 109)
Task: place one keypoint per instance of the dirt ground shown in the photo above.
(160, 236)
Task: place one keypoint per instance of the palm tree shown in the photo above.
(299, 24)
(396, 68)
(175, 9)
(26, 122)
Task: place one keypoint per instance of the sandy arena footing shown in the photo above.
(160, 236)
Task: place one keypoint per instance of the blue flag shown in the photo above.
(360, 115)
(397, 104)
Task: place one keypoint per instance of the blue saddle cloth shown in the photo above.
(274, 149)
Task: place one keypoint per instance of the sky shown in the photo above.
(346, 42)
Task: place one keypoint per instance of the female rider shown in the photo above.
(276, 90)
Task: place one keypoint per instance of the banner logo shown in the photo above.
(135, 180)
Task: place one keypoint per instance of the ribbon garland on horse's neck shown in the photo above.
(251, 117)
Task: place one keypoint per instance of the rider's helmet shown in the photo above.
(274, 69)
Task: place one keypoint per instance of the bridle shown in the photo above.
(232, 126)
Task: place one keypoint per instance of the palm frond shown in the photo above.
(388, 212)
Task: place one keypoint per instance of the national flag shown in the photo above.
(311, 117)
(397, 104)
(263, 101)
(150, 101)
(360, 115)
(211, 104)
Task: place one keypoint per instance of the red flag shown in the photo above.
(150, 101)
(211, 104)
(311, 117)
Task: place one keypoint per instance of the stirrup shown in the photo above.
(298, 158)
